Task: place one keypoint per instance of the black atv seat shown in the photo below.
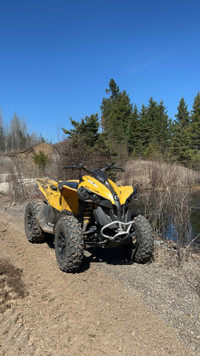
(73, 185)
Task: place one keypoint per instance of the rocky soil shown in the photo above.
(109, 308)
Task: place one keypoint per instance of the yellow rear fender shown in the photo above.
(65, 198)
(49, 189)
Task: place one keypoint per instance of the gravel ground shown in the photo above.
(169, 291)
(166, 292)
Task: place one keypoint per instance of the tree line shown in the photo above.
(145, 133)
(15, 136)
(122, 130)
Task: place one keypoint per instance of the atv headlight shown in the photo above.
(96, 198)
(86, 195)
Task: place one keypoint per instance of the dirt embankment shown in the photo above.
(44, 311)
(23, 161)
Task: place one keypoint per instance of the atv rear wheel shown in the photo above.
(33, 230)
(69, 244)
(144, 247)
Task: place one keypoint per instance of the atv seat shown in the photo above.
(73, 185)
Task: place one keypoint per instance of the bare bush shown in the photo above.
(66, 154)
(167, 197)
(157, 174)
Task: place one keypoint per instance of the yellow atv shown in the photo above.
(89, 212)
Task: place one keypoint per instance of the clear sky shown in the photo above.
(57, 56)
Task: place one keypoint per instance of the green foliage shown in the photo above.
(148, 133)
(86, 130)
(152, 130)
(181, 135)
(41, 160)
(85, 136)
(133, 137)
(195, 123)
(116, 114)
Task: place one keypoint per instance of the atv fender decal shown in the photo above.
(91, 182)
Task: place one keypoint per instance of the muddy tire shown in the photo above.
(144, 240)
(33, 230)
(69, 244)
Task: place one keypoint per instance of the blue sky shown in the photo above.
(57, 56)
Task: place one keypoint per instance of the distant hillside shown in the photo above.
(23, 161)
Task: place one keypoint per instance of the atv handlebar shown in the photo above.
(75, 166)
(109, 167)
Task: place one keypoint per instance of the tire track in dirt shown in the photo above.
(71, 314)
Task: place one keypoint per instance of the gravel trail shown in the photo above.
(107, 309)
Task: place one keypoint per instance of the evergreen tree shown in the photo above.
(85, 131)
(195, 123)
(181, 135)
(134, 144)
(162, 128)
(154, 128)
(116, 114)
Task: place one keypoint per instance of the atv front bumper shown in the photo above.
(117, 231)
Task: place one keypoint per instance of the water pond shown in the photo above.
(168, 231)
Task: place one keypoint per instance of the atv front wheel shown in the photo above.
(69, 244)
(143, 250)
(33, 230)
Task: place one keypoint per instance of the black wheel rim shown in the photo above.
(30, 220)
(61, 245)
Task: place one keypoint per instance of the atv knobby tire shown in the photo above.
(69, 244)
(33, 230)
(144, 240)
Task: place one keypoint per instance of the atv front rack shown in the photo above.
(123, 228)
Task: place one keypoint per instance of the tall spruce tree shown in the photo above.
(154, 128)
(116, 114)
(181, 135)
(195, 123)
(162, 128)
(133, 139)
(85, 131)
(142, 132)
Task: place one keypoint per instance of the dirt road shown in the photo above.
(44, 311)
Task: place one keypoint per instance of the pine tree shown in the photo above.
(181, 135)
(85, 131)
(116, 114)
(154, 128)
(195, 123)
(133, 142)
(162, 128)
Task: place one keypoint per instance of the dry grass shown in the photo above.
(157, 174)
(166, 198)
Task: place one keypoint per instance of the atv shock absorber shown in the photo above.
(87, 216)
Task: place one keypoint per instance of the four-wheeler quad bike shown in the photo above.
(89, 212)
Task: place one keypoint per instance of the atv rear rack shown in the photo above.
(123, 229)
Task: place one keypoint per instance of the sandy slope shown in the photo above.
(47, 312)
